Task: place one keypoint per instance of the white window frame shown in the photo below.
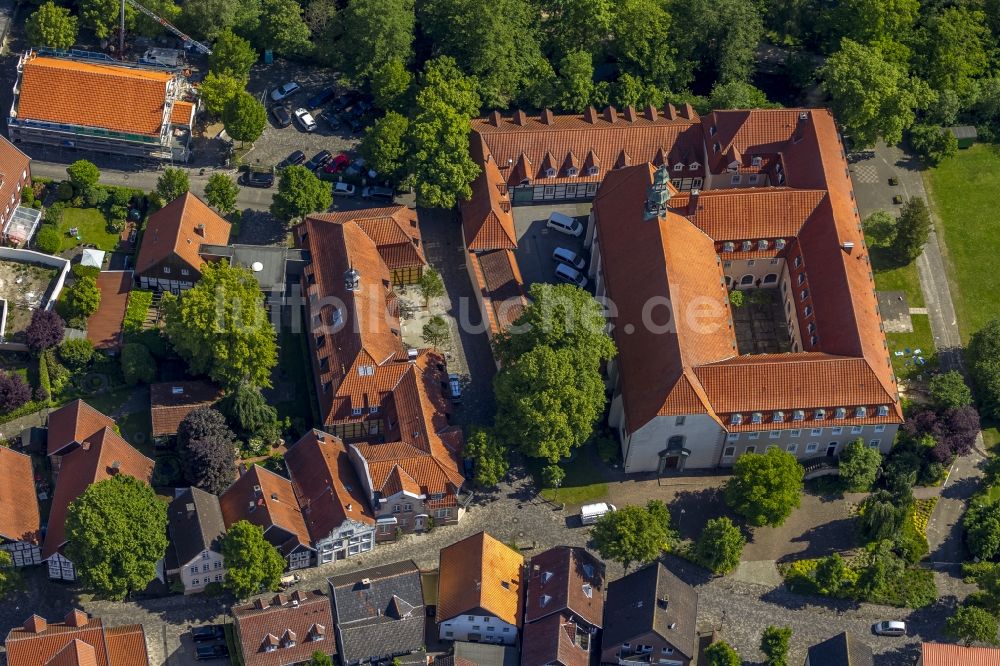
(812, 447)
(880, 428)
(753, 435)
(792, 448)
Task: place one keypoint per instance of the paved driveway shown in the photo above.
(535, 241)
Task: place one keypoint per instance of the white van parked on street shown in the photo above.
(591, 513)
(564, 224)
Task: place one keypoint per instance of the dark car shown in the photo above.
(321, 98)
(296, 158)
(281, 116)
(258, 179)
(205, 652)
(208, 632)
(319, 159)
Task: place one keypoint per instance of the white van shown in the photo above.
(564, 224)
(565, 256)
(566, 273)
(591, 513)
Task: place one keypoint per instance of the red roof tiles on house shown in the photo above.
(178, 230)
(19, 516)
(104, 327)
(171, 402)
(74, 422)
(300, 618)
(80, 642)
(268, 501)
(393, 229)
(480, 572)
(941, 654)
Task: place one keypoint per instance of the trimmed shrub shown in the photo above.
(76, 353)
(135, 312)
(48, 239)
(14, 391)
(81, 271)
(64, 191)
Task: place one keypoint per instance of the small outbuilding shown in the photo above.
(966, 135)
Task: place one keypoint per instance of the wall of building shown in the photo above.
(348, 539)
(207, 568)
(648, 648)
(23, 553)
(799, 440)
(702, 436)
(61, 568)
(411, 514)
(32, 257)
(478, 629)
(753, 270)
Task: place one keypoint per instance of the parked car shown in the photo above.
(258, 179)
(567, 273)
(343, 190)
(208, 632)
(890, 628)
(564, 224)
(591, 513)
(305, 120)
(281, 116)
(206, 652)
(321, 98)
(319, 159)
(337, 164)
(454, 388)
(285, 91)
(569, 257)
(296, 158)
(375, 192)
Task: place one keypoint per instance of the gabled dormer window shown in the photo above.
(728, 247)
(366, 370)
(550, 173)
(755, 161)
(678, 167)
(756, 418)
(592, 170)
(746, 246)
(780, 244)
(778, 417)
(572, 171)
(694, 166)
(883, 410)
(763, 244)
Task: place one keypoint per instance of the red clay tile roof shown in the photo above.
(501, 287)
(941, 654)
(487, 223)
(173, 231)
(325, 483)
(62, 644)
(559, 580)
(168, 406)
(19, 516)
(480, 572)
(93, 94)
(74, 422)
(393, 229)
(552, 640)
(101, 456)
(273, 505)
(750, 213)
(304, 615)
(104, 327)
(182, 113)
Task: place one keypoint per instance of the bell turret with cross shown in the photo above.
(658, 194)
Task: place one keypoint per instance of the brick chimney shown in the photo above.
(495, 119)
(610, 114)
(520, 117)
(76, 618)
(259, 604)
(36, 624)
(630, 114)
(547, 116)
(590, 115)
(693, 202)
(200, 230)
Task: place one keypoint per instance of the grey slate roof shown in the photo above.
(841, 651)
(652, 599)
(195, 524)
(382, 618)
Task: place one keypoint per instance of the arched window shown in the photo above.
(770, 278)
(746, 280)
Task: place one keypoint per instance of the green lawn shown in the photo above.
(584, 482)
(889, 277)
(92, 229)
(963, 192)
(920, 338)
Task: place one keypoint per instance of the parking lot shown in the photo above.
(535, 241)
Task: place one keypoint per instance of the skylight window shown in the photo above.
(778, 417)
(798, 415)
(819, 414)
(860, 412)
(366, 370)
(736, 419)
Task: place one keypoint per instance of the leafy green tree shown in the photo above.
(633, 534)
(232, 56)
(76, 353)
(774, 643)
(208, 18)
(103, 16)
(881, 571)
(631, 90)
(956, 50)
(721, 653)
(387, 27)
(642, 41)
(982, 529)
(887, 26)
(147, 26)
(872, 97)
(971, 624)
(320, 16)
(553, 476)
(719, 37)
(738, 95)
(319, 659)
(221, 192)
(209, 450)
(912, 230)
(221, 328)
(765, 487)
(490, 456)
(299, 192)
(859, 465)
(984, 353)
(247, 409)
(881, 516)
(52, 26)
(83, 297)
(719, 546)
(933, 143)
(737, 298)
(435, 332)
(244, 117)
(880, 226)
(431, 285)
(832, 575)
(116, 532)
(138, 365)
(391, 85)
(384, 144)
(252, 564)
(575, 88)
(172, 183)
(439, 135)
(10, 575)
(574, 24)
(282, 28)
(83, 175)
(949, 390)
(217, 90)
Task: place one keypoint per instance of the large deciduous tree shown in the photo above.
(208, 18)
(282, 28)
(83, 297)
(774, 643)
(138, 364)
(721, 653)
(52, 26)
(387, 27)
(633, 534)
(738, 95)
(232, 56)
(933, 143)
(244, 117)
(642, 42)
(859, 465)
(949, 390)
(982, 529)
(216, 91)
(984, 353)
(221, 328)
(490, 456)
(871, 96)
(972, 624)
(172, 183)
(718, 37)
(912, 230)
(83, 174)
(252, 564)
(765, 487)
(390, 85)
(45, 330)
(248, 411)
(209, 448)
(14, 391)
(116, 532)
(575, 24)
(719, 546)
(299, 192)
(956, 51)
(384, 145)
(221, 192)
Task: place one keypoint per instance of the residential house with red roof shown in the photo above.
(79, 640)
(286, 629)
(20, 520)
(945, 654)
(18, 224)
(383, 400)
(169, 257)
(331, 497)
(267, 500)
(103, 105)
(171, 402)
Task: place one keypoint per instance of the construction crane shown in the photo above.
(162, 21)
